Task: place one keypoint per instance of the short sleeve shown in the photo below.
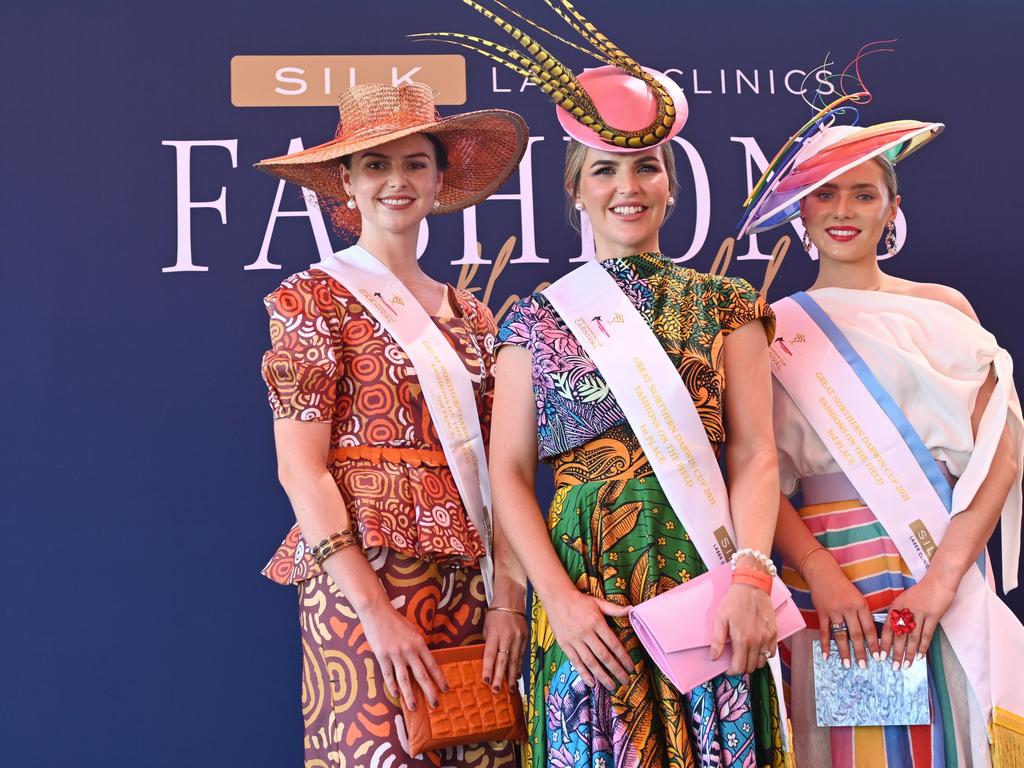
(485, 330)
(517, 326)
(301, 368)
(745, 305)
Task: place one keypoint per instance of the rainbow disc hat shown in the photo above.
(821, 151)
(618, 107)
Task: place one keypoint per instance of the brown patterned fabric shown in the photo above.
(350, 721)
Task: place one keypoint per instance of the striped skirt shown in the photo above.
(957, 736)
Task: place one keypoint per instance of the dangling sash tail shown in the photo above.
(888, 463)
(658, 407)
(446, 385)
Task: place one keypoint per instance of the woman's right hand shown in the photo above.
(837, 601)
(592, 647)
(402, 654)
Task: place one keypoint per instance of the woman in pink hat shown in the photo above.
(615, 534)
(897, 420)
(394, 553)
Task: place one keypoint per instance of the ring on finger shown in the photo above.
(839, 626)
(503, 650)
(766, 654)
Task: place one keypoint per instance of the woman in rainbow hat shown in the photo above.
(897, 419)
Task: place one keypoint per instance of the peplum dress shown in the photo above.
(618, 538)
(331, 361)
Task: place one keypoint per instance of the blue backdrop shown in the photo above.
(140, 494)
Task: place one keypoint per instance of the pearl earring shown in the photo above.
(671, 200)
(437, 204)
(578, 206)
(351, 203)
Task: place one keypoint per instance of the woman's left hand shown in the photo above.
(505, 640)
(928, 601)
(746, 620)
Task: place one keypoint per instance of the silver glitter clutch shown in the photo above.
(878, 695)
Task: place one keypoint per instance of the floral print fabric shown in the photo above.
(691, 314)
(331, 361)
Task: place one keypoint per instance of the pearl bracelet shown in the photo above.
(761, 557)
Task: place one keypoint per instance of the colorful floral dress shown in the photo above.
(619, 538)
(330, 361)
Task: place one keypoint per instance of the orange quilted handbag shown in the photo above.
(470, 712)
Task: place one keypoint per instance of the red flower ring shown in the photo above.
(902, 621)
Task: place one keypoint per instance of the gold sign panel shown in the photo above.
(924, 538)
(312, 81)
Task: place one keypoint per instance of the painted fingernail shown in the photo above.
(862, 664)
(487, 681)
(883, 655)
(920, 656)
(846, 663)
(412, 707)
(906, 663)
(895, 666)
(446, 688)
(497, 689)
(435, 704)
(824, 655)
(875, 656)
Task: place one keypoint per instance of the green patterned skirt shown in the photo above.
(619, 539)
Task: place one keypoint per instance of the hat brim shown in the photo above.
(620, 97)
(897, 140)
(484, 148)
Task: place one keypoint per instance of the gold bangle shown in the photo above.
(811, 551)
(332, 545)
(506, 610)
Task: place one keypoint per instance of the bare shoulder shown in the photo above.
(936, 292)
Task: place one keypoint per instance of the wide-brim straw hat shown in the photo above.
(483, 147)
(624, 101)
(827, 154)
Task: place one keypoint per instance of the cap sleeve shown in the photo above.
(301, 368)
(745, 305)
(517, 326)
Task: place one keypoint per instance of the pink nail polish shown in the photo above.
(846, 663)
(862, 664)
(895, 666)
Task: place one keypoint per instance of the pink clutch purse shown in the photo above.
(675, 627)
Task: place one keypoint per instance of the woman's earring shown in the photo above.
(578, 206)
(437, 204)
(351, 203)
(671, 200)
(890, 238)
(807, 241)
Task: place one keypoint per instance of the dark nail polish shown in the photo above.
(497, 689)
(487, 680)
(435, 704)
(412, 707)
(446, 688)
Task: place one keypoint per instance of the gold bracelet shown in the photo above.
(506, 610)
(811, 551)
(332, 545)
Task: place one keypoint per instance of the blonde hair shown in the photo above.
(892, 184)
(576, 154)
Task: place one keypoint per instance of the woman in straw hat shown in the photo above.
(616, 534)
(888, 391)
(393, 552)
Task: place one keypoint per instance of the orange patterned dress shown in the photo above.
(331, 361)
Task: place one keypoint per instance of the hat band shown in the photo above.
(380, 129)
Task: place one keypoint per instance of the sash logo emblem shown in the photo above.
(600, 325)
(782, 345)
(725, 542)
(923, 540)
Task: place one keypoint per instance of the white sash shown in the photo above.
(446, 385)
(658, 407)
(890, 467)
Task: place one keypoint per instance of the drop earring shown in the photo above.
(807, 241)
(890, 238)
(671, 200)
(351, 203)
(578, 206)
